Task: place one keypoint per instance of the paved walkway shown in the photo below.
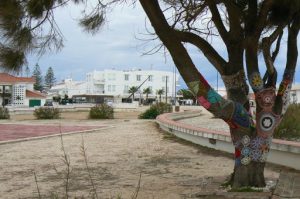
(10, 132)
(288, 186)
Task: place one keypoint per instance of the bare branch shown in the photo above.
(210, 53)
(216, 17)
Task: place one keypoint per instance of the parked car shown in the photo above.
(48, 103)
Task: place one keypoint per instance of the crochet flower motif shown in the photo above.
(257, 142)
(246, 160)
(246, 151)
(246, 140)
(256, 81)
(256, 155)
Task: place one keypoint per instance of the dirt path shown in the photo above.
(116, 157)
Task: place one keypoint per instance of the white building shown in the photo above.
(116, 83)
(19, 92)
(68, 87)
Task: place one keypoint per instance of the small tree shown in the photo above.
(147, 91)
(186, 94)
(49, 78)
(132, 90)
(37, 74)
(160, 92)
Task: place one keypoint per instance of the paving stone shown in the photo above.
(11, 132)
(288, 186)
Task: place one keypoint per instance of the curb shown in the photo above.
(285, 153)
(53, 135)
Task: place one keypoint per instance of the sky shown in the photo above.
(120, 45)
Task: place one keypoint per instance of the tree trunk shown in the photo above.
(250, 157)
(249, 175)
(252, 145)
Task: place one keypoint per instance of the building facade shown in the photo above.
(68, 87)
(19, 92)
(117, 83)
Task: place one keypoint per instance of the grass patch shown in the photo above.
(246, 189)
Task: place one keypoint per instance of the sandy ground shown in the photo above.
(116, 157)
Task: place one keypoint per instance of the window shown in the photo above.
(150, 78)
(109, 88)
(138, 78)
(126, 88)
(126, 77)
(113, 88)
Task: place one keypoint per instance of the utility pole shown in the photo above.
(175, 86)
(3, 96)
(166, 89)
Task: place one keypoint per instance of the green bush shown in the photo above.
(4, 114)
(102, 111)
(156, 110)
(289, 127)
(47, 113)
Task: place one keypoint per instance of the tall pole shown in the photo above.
(3, 96)
(175, 85)
(166, 89)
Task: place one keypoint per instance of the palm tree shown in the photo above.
(147, 91)
(132, 90)
(160, 92)
(187, 94)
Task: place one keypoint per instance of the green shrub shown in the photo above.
(289, 127)
(156, 110)
(102, 111)
(47, 113)
(4, 114)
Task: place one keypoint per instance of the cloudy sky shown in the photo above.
(120, 45)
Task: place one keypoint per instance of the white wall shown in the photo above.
(114, 82)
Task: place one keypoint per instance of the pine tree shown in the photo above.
(38, 78)
(27, 71)
(49, 78)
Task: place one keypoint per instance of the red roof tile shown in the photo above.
(7, 78)
(34, 94)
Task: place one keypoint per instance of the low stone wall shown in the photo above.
(118, 107)
(286, 153)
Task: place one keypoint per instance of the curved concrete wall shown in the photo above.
(286, 153)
